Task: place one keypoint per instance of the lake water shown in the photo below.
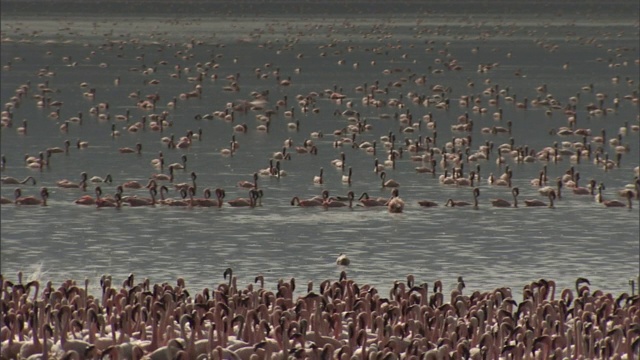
(319, 48)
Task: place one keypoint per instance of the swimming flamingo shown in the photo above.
(504, 203)
(332, 202)
(244, 202)
(87, 199)
(67, 184)
(128, 150)
(8, 180)
(98, 179)
(173, 202)
(249, 184)
(137, 201)
(347, 178)
(318, 178)
(281, 155)
(31, 200)
(116, 201)
(395, 204)
(339, 163)
(613, 203)
(547, 189)
(365, 200)
(476, 194)
(206, 201)
(388, 183)
(427, 203)
(186, 185)
(343, 260)
(584, 190)
(180, 166)
(295, 201)
(536, 202)
(163, 177)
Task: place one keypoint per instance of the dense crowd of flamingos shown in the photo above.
(336, 319)
(454, 163)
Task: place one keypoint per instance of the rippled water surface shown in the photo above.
(520, 50)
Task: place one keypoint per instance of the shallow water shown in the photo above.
(490, 247)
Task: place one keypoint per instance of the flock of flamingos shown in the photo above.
(454, 163)
(338, 319)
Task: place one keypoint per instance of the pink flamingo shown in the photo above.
(476, 194)
(395, 204)
(249, 184)
(251, 201)
(31, 200)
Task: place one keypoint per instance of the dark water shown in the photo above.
(316, 46)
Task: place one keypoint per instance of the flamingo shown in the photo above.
(365, 200)
(536, 202)
(268, 171)
(613, 203)
(163, 177)
(87, 199)
(339, 163)
(128, 150)
(31, 200)
(318, 178)
(281, 155)
(116, 201)
(8, 180)
(476, 194)
(504, 203)
(343, 260)
(395, 204)
(388, 183)
(249, 184)
(548, 189)
(206, 201)
(67, 184)
(295, 201)
(277, 172)
(331, 202)
(584, 190)
(58, 150)
(186, 185)
(173, 202)
(98, 179)
(427, 203)
(136, 201)
(244, 202)
(180, 166)
(347, 178)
